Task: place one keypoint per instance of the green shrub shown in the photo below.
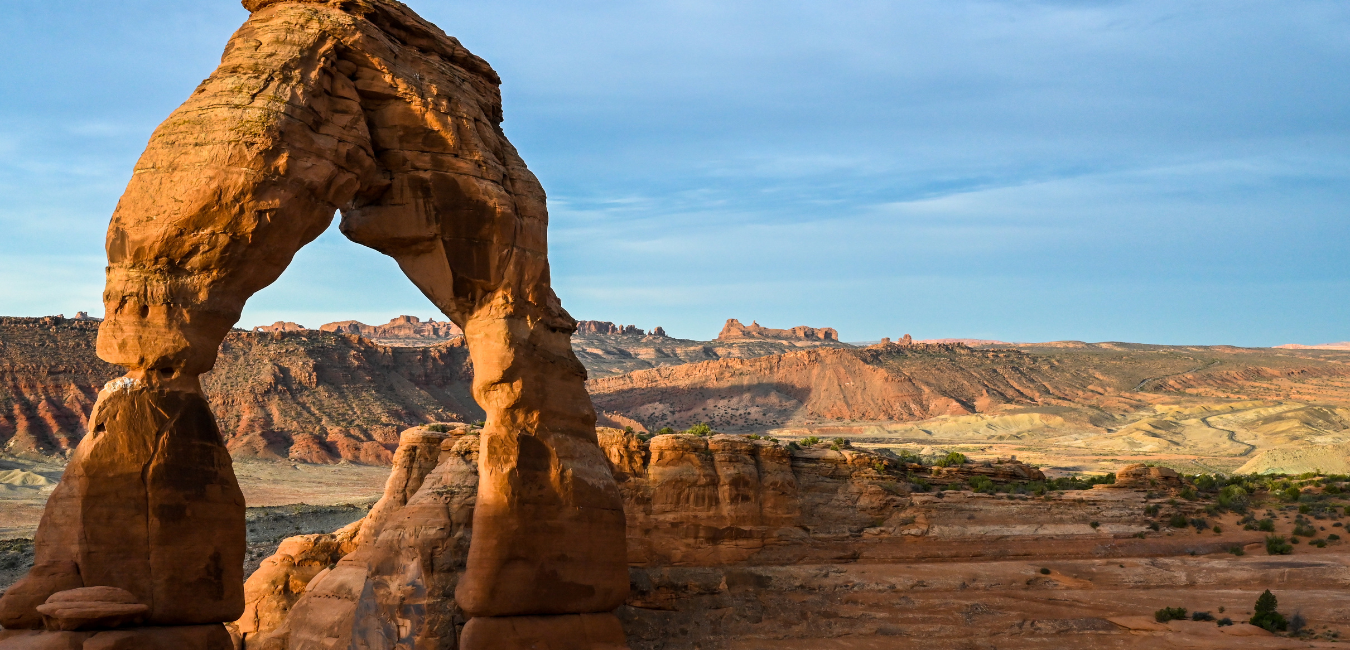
(1202, 616)
(921, 485)
(1302, 529)
(1188, 494)
(1045, 571)
(1233, 497)
(1095, 524)
(840, 441)
(1333, 537)
(1304, 509)
(700, 429)
(907, 456)
(1266, 525)
(1236, 550)
(1170, 614)
(1275, 545)
(1151, 511)
(1225, 622)
(809, 441)
(1290, 494)
(665, 431)
(1265, 615)
(980, 484)
(952, 459)
(438, 428)
(1178, 520)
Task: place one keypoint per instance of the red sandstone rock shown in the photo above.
(364, 107)
(403, 328)
(147, 500)
(1139, 476)
(603, 327)
(280, 326)
(92, 608)
(735, 330)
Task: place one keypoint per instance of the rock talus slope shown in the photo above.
(359, 106)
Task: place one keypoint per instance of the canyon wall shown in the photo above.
(308, 395)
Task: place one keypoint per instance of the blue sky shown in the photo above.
(1155, 171)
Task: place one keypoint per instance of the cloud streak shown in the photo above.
(1140, 170)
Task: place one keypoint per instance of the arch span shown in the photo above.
(358, 106)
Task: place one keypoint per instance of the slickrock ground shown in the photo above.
(741, 543)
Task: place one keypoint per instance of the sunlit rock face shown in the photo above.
(363, 107)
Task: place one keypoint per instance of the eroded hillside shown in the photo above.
(1075, 407)
(310, 396)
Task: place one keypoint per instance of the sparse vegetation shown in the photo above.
(1170, 614)
(1265, 614)
(1275, 545)
(980, 484)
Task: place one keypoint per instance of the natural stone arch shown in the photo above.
(322, 105)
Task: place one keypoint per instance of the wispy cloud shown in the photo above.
(1136, 169)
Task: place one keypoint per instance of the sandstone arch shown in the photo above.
(317, 106)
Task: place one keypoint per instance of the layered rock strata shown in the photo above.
(734, 330)
(720, 501)
(306, 396)
(319, 106)
(1138, 476)
(403, 330)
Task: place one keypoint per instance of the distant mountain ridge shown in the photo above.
(1343, 345)
(322, 396)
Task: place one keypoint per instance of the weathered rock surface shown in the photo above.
(92, 608)
(307, 396)
(408, 331)
(725, 534)
(734, 330)
(1138, 476)
(148, 499)
(402, 562)
(366, 108)
(606, 328)
(280, 326)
